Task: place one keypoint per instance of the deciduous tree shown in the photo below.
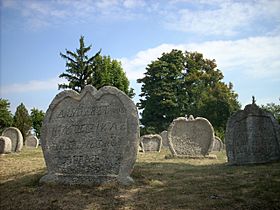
(37, 117)
(109, 71)
(6, 117)
(179, 84)
(274, 109)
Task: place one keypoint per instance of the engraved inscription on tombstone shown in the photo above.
(31, 141)
(5, 145)
(252, 136)
(190, 137)
(90, 138)
(16, 137)
(152, 142)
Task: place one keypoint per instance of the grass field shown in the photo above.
(160, 183)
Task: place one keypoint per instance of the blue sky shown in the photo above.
(242, 36)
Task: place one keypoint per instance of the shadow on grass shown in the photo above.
(158, 185)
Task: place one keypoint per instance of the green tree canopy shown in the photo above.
(37, 117)
(97, 70)
(110, 72)
(6, 117)
(179, 84)
(22, 120)
(161, 90)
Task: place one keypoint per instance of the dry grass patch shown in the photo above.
(160, 183)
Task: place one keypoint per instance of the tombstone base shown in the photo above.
(238, 163)
(66, 179)
(210, 156)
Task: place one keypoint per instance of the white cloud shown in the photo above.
(133, 3)
(39, 14)
(32, 86)
(223, 17)
(204, 17)
(135, 66)
(256, 57)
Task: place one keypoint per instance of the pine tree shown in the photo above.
(97, 70)
(79, 68)
(22, 120)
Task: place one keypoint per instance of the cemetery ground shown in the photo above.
(160, 183)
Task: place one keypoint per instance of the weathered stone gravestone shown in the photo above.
(151, 143)
(16, 137)
(5, 145)
(252, 136)
(164, 137)
(31, 141)
(190, 137)
(217, 145)
(141, 147)
(90, 138)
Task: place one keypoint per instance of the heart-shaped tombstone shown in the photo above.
(190, 137)
(90, 138)
(151, 142)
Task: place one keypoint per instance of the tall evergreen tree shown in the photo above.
(6, 118)
(79, 68)
(37, 117)
(96, 70)
(22, 120)
(179, 84)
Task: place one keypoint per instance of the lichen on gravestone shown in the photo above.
(16, 138)
(190, 137)
(90, 138)
(151, 142)
(252, 136)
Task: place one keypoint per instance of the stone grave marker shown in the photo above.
(16, 137)
(5, 145)
(31, 141)
(151, 142)
(252, 136)
(164, 137)
(90, 138)
(217, 144)
(189, 137)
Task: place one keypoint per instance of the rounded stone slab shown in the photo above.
(190, 137)
(16, 137)
(217, 145)
(31, 141)
(90, 138)
(164, 137)
(5, 145)
(151, 142)
(252, 136)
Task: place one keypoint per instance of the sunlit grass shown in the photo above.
(160, 183)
